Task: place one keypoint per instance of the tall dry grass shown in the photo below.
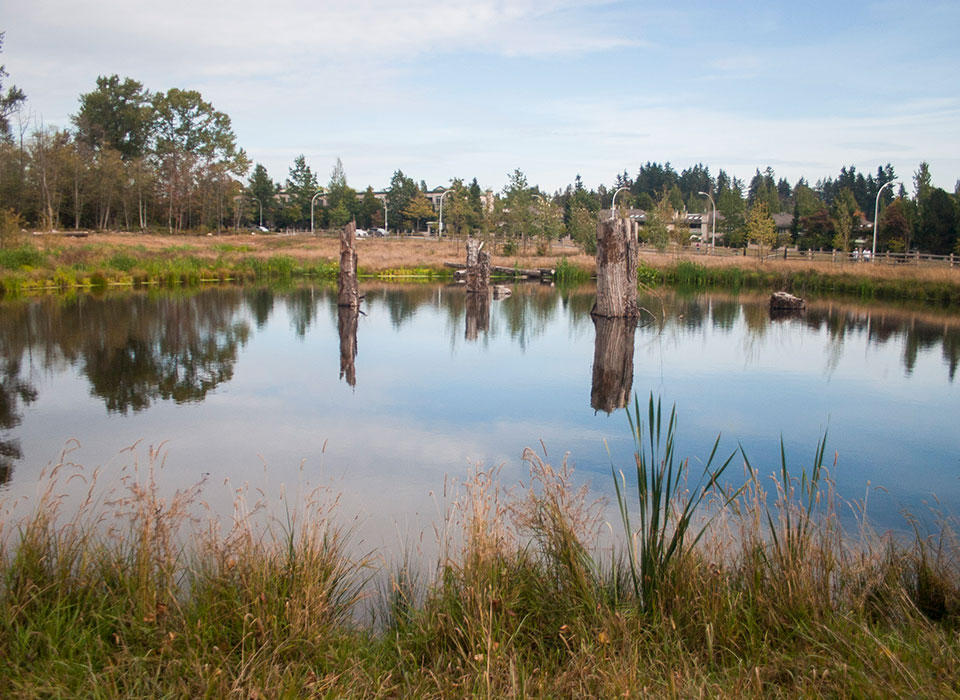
(135, 591)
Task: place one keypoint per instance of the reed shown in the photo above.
(728, 591)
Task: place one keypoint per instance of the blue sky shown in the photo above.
(553, 87)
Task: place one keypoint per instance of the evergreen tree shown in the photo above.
(10, 100)
(260, 188)
(302, 184)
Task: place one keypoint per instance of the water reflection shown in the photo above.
(612, 363)
(14, 393)
(478, 315)
(133, 351)
(347, 321)
(136, 351)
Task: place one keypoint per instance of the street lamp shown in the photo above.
(386, 225)
(613, 203)
(261, 208)
(713, 221)
(876, 215)
(312, 201)
(440, 230)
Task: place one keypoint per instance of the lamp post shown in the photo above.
(713, 222)
(613, 202)
(876, 215)
(261, 208)
(386, 225)
(312, 201)
(440, 229)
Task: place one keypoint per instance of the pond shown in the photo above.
(279, 390)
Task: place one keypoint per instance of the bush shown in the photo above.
(11, 235)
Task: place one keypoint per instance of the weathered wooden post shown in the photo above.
(612, 363)
(617, 259)
(347, 319)
(348, 291)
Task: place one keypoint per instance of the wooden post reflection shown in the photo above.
(478, 315)
(612, 363)
(347, 318)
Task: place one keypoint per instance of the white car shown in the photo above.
(361, 233)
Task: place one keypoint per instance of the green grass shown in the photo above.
(569, 273)
(803, 282)
(24, 256)
(766, 596)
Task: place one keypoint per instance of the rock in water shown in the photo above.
(782, 301)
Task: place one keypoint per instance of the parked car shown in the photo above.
(381, 232)
(361, 233)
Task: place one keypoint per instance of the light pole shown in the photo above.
(261, 208)
(876, 215)
(386, 225)
(713, 222)
(440, 230)
(613, 203)
(312, 201)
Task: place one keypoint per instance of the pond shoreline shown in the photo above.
(61, 262)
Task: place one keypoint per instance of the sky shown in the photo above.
(555, 88)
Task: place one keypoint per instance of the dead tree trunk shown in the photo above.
(617, 258)
(348, 292)
(478, 267)
(612, 363)
(347, 318)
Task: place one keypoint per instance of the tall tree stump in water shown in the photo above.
(348, 291)
(347, 320)
(617, 258)
(478, 267)
(612, 363)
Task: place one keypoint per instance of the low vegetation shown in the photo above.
(758, 594)
(60, 263)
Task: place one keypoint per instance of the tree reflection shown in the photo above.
(478, 315)
(612, 363)
(14, 392)
(136, 351)
(347, 321)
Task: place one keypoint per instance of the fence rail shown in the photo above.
(856, 257)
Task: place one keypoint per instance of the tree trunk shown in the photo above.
(617, 258)
(347, 318)
(612, 363)
(348, 291)
(478, 268)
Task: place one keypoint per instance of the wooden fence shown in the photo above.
(839, 257)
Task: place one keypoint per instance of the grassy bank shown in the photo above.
(58, 262)
(936, 287)
(773, 598)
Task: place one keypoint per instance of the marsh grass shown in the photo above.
(134, 590)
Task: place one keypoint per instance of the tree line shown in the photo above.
(135, 159)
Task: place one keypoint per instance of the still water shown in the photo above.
(282, 391)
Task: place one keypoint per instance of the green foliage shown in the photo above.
(846, 215)
(122, 261)
(583, 228)
(116, 115)
(761, 229)
(22, 257)
(666, 510)
(10, 100)
(648, 276)
(568, 273)
(11, 234)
